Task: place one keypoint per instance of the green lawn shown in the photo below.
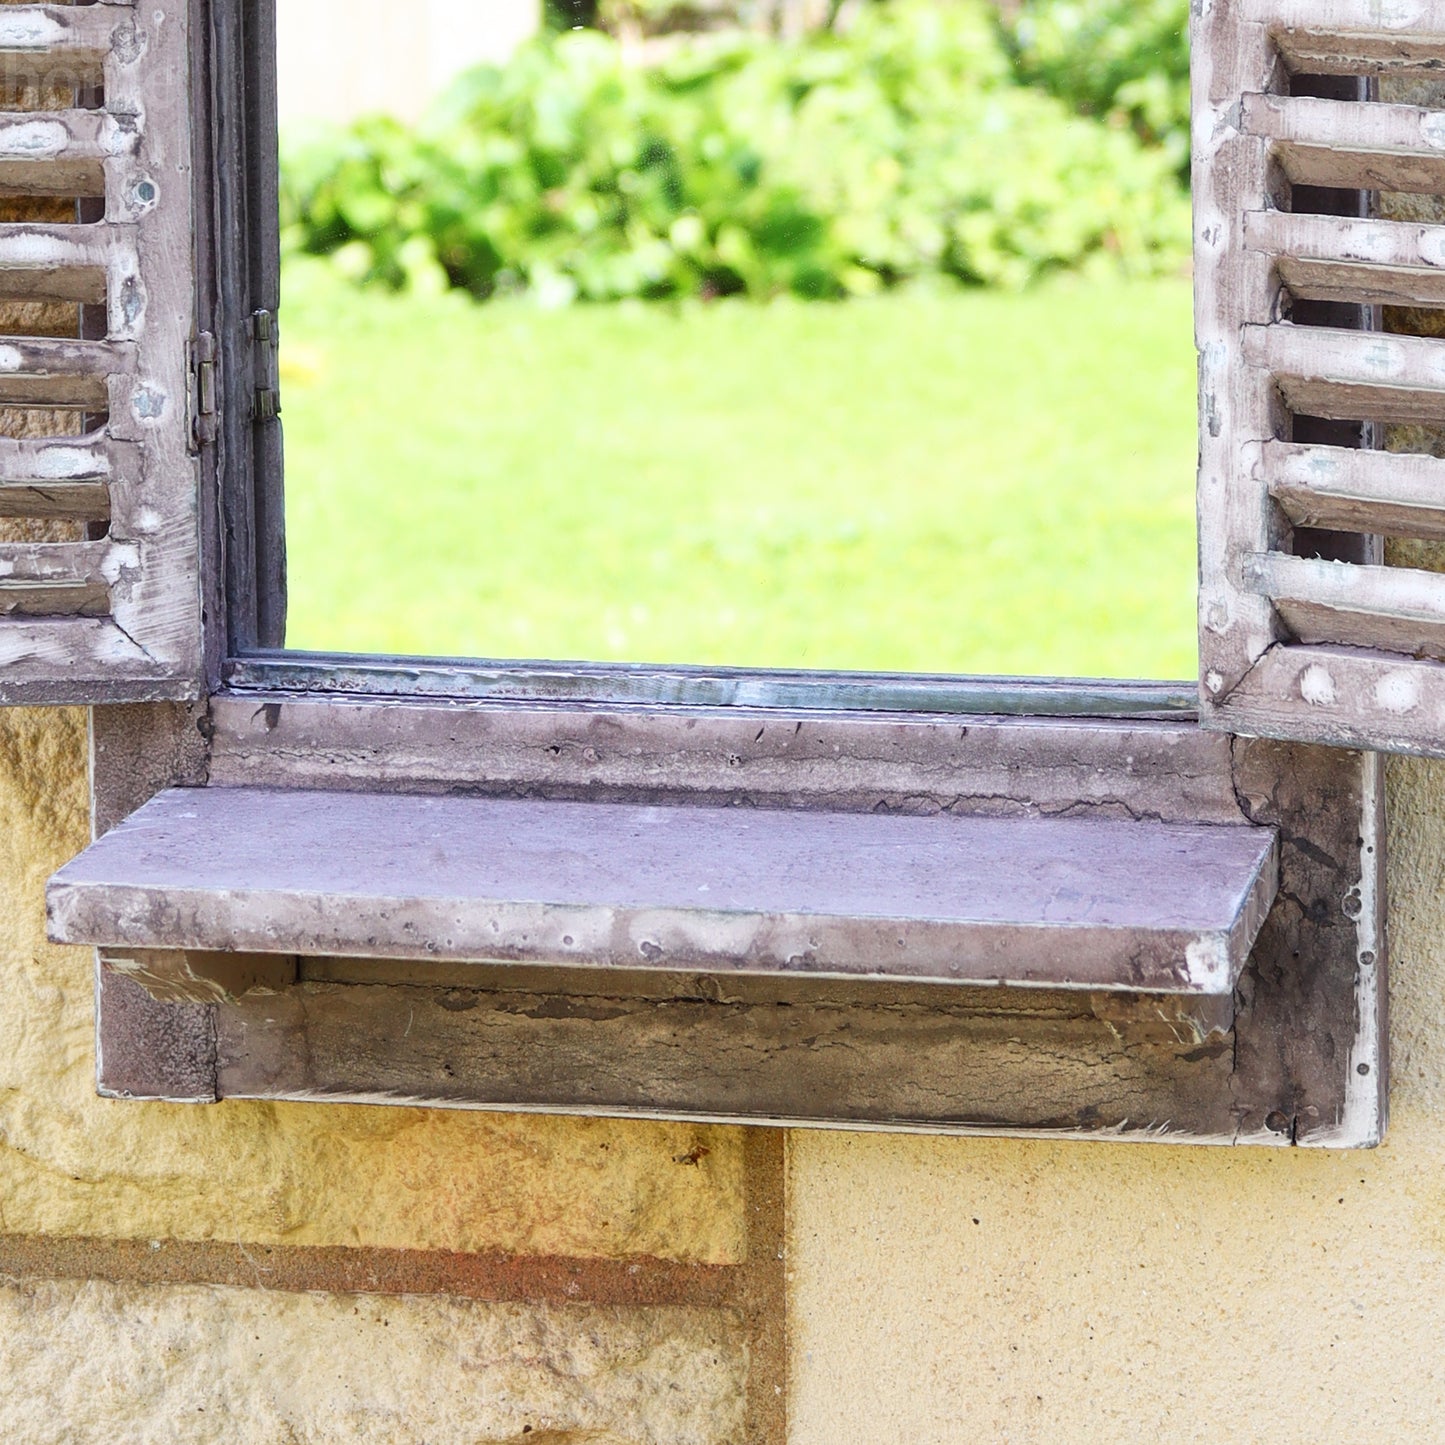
(975, 483)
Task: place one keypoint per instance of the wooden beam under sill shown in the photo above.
(1099, 904)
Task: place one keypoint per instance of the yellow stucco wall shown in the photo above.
(74, 1164)
(1105, 1292)
(96, 1363)
(980, 1290)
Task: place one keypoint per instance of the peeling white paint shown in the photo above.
(1398, 692)
(1432, 249)
(119, 558)
(1401, 14)
(34, 139)
(1207, 960)
(1381, 358)
(149, 405)
(63, 463)
(1322, 465)
(21, 250)
(1317, 687)
(29, 29)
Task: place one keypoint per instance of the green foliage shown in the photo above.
(1125, 61)
(569, 14)
(833, 166)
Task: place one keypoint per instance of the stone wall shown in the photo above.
(278, 1273)
(257, 1273)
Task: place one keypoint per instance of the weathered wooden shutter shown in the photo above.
(97, 462)
(1304, 632)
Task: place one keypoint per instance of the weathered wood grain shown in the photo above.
(61, 153)
(1352, 375)
(1350, 146)
(1233, 285)
(240, 275)
(1353, 37)
(1334, 258)
(57, 659)
(131, 151)
(74, 501)
(884, 1065)
(38, 461)
(1318, 592)
(93, 264)
(1393, 493)
(44, 371)
(1331, 694)
(1032, 767)
(1396, 609)
(66, 44)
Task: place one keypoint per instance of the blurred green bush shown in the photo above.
(910, 146)
(1125, 61)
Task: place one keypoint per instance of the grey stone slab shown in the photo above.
(1101, 904)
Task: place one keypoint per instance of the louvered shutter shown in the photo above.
(1304, 633)
(107, 608)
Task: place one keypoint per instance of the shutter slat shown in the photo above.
(57, 659)
(49, 579)
(38, 461)
(1349, 697)
(1350, 146)
(1357, 491)
(51, 501)
(1336, 258)
(40, 371)
(1351, 37)
(40, 563)
(1302, 633)
(116, 617)
(1354, 606)
(1353, 609)
(40, 43)
(62, 263)
(1352, 375)
(61, 153)
(1308, 52)
(95, 265)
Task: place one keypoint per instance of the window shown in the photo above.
(732, 347)
(360, 978)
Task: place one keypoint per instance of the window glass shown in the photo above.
(784, 334)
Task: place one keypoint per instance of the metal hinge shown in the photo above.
(265, 333)
(203, 390)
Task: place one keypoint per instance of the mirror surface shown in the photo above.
(777, 334)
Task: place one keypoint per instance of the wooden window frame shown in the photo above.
(1296, 1055)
